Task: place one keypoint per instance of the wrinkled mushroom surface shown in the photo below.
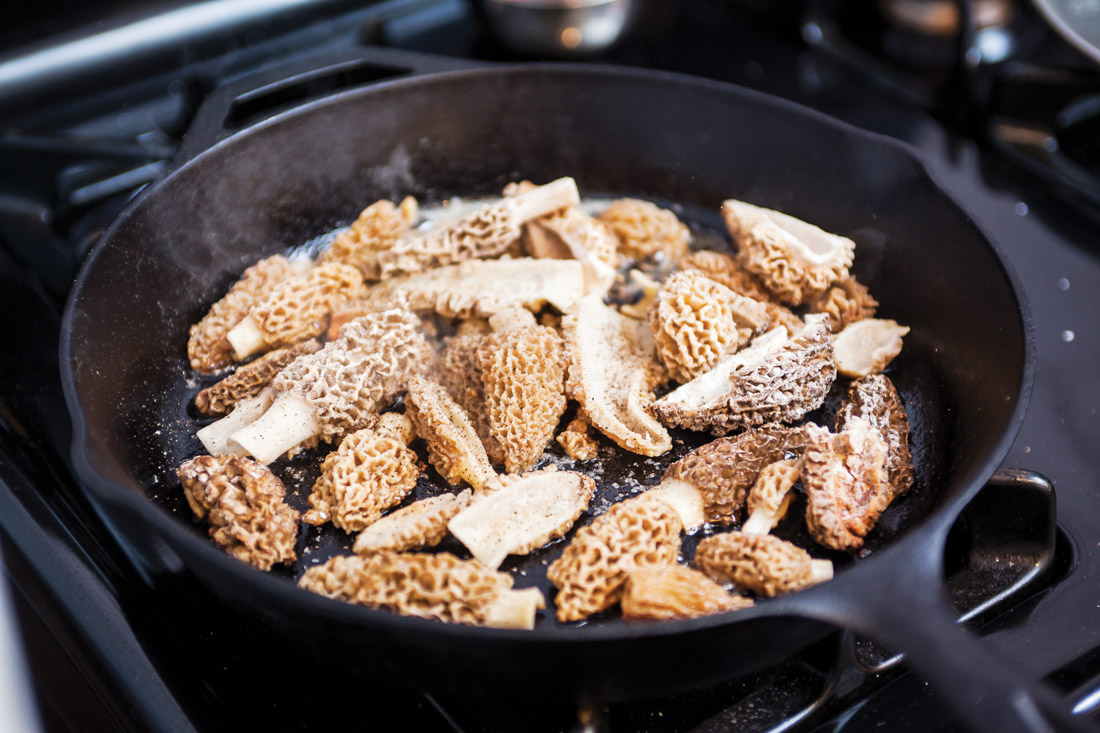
(662, 592)
(760, 563)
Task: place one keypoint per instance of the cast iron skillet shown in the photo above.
(965, 374)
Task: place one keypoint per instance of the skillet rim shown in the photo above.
(185, 542)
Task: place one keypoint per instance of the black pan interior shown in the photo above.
(468, 133)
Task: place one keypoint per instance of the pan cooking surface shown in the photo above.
(168, 421)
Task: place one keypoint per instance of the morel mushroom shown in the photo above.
(612, 374)
(207, 348)
(794, 260)
(421, 524)
(453, 446)
(458, 371)
(662, 592)
(846, 482)
(845, 303)
(576, 441)
(249, 379)
(343, 386)
(244, 504)
(440, 587)
(563, 233)
(378, 228)
(486, 232)
(591, 572)
(696, 321)
(770, 496)
(371, 471)
(875, 400)
(522, 369)
(645, 230)
(867, 346)
(297, 309)
(518, 515)
(725, 470)
(774, 379)
(760, 563)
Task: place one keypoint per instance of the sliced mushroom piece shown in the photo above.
(458, 370)
(217, 436)
(419, 525)
(724, 470)
(846, 482)
(867, 346)
(612, 373)
(760, 563)
(645, 230)
(770, 496)
(378, 227)
(874, 398)
(453, 446)
(794, 260)
(774, 379)
(249, 379)
(663, 592)
(522, 515)
(439, 587)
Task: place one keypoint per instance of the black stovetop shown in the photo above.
(113, 649)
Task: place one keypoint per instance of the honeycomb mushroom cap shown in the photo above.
(458, 371)
(523, 374)
(770, 496)
(663, 592)
(376, 229)
(645, 229)
(243, 502)
(591, 572)
(249, 379)
(612, 373)
(846, 482)
(867, 346)
(724, 470)
(576, 441)
(299, 308)
(759, 563)
(793, 259)
(695, 321)
(351, 379)
(774, 379)
(369, 473)
(207, 347)
(453, 445)
(419, 525)
(875, 399)
(845, 302)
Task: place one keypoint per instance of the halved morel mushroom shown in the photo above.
(846, 481)
(645, 230)
(458, 371)
(343, 386)
(522, 369)
(793, 259)
(696, 321)
(663, 592)
(612, 373)
(372, 471)
(774, 379)
(562, 234)
(297, 309)
(867, 346)
(874, 399)
(487, 232)
(377, 228)
(845, 302)
(591, 572)
(207, 347)
(419, 525)
(770, 496)
(726, 469)
(725, 269)
(250, 379)
(244, 504)
(576, 441)
(760, 563)
(453, 446)
(439, 587)
(521, 514)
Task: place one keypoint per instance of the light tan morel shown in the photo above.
(760, 563)
(377, 228)
(845, 302)
(419, 525)
(664, 592)
(645, 230)
(875, 400)
(249, 379)
(453, 446)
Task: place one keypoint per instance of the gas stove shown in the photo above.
(85, 122)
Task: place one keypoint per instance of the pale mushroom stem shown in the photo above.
(763, 521)
(684, 499)
(515, 609)
(246, 338)
(545, 199)
(215, 436)
(821, 570)
(289, 422)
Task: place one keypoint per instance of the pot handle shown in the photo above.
(248, 100)
(985, 690)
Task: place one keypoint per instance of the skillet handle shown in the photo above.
(985, 690)
(250, 99)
